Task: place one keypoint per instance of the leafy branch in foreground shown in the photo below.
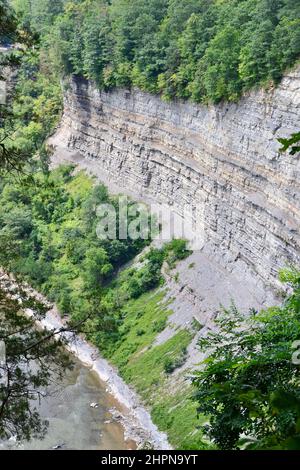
(249, 384)
(8, 22)
(34, 358)
(12, 158)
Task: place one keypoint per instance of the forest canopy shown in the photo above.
(204, 50)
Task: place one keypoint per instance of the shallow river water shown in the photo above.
(73, 423)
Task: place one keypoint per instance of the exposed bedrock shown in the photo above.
(223, 161)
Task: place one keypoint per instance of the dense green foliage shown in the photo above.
(250, 382)
(32, 108)
(36, 105)
(292, 144)
(8, 24)
(51, 229)
(206, 50)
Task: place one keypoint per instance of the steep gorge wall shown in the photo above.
(221, 160)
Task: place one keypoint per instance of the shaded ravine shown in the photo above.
(126, 409)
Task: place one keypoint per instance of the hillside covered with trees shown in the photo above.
(206, 50)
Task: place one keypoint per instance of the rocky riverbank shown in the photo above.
(129, 411)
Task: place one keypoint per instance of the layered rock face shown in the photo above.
(223, 161)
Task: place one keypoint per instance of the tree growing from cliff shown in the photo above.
(291, 144)
(249, 384)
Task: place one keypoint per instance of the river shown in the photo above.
(73, 423)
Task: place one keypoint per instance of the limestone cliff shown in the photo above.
(223, 159)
